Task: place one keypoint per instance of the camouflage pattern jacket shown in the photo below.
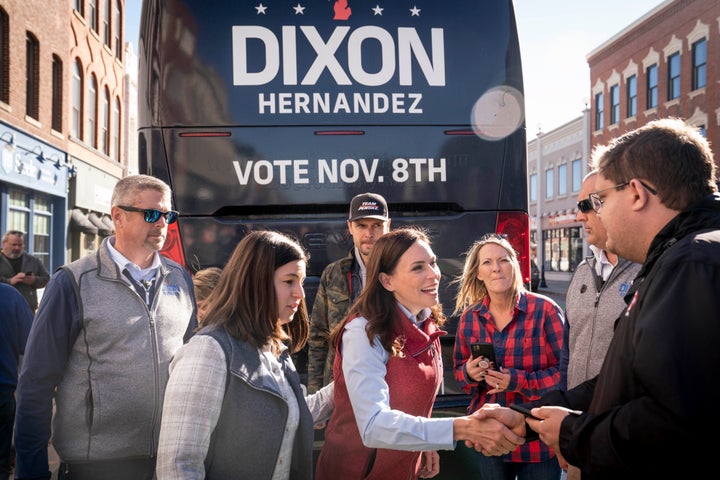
(340, 285)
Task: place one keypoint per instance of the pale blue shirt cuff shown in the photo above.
(380, 426)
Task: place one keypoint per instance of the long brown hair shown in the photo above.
(377, 304)
(245, 301)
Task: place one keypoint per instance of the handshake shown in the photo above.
(492, 430)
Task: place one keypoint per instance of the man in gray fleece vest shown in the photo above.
(594, 298)
(103, 337)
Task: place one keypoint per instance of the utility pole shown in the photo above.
(540, 250)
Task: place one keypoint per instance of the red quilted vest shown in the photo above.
(413, 381)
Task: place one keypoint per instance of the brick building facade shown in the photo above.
(666, 64)
(61, 122)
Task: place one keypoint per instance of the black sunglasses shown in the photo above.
(152, 215)
(585, 205)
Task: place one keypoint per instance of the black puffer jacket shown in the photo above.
(653, 406)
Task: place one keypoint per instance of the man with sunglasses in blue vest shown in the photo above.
(105, 331)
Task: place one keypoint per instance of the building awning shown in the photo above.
(80, 223)
(101, 226)
(108, 221)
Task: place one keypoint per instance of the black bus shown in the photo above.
(274, 114)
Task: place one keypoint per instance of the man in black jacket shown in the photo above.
(652, 407)
(18, 268)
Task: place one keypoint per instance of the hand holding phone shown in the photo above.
(524, 411)
(484, 349)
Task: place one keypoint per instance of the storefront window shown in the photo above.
(35, 210)
(19, 214)
(563, 249)
(41, 230)
(576, 248)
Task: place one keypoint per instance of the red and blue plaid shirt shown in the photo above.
(529, 346)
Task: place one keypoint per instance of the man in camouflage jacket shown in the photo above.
(341, 283)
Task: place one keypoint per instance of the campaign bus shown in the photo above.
(273, 114)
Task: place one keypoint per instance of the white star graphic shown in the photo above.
(414, 12)
(299, 10)
(377, 10)
(261, 9)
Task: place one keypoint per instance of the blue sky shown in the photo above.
(555, 37)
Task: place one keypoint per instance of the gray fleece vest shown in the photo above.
(109, 402)
(246, 440)
(592, 309)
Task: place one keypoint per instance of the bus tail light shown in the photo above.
(517, 228)
(172, 248)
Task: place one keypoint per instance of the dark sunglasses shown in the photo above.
(585, 205)
(152, 215)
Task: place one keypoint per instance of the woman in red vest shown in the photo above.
(388, 368)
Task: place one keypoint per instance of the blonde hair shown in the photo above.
(205, 281)
(472, 290)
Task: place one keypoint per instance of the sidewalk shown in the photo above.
(558, 287)
(555, 289)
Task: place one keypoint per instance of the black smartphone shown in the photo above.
(28, 273)
(483, 349)
(524, 411)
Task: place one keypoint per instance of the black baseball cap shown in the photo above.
(368, 205)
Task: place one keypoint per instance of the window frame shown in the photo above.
(92, 106)
(577, 174)
(117, 112)
(562, 189)
(4, 56)
(631, 85)
(117, 30)
(699, 68)
(549, 183)
(651, 74)
(93, 15)
(614, 104)
(32, 76)
(673, 76)
(599, 111)
(107, 22)
(104, 123)
(57, 93)
(77, 100)
(532, 184)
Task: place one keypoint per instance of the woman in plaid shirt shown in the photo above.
(526, 331)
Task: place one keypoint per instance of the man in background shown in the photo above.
(100, 346)
(341, 283)
(20, 269)
(594, 299)
(15, 321)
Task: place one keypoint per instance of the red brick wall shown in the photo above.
(677, 19)
(50, 28)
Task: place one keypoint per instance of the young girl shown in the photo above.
(234, 407)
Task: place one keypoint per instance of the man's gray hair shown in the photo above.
(128, 188)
